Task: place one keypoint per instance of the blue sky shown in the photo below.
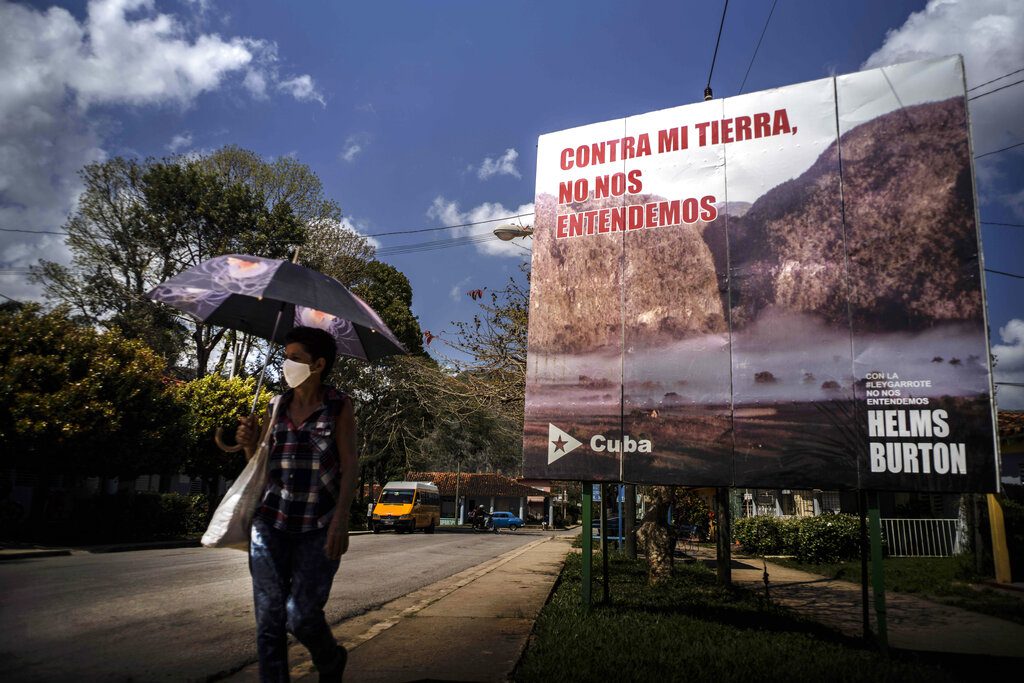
(423, 114)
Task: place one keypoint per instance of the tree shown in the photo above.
(208, 403)
(329, 247)
(387, 290)
(79, 402)
(495, 344)
(139, 223)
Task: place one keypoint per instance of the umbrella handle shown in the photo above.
(218, 438)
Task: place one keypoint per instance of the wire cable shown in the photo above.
(717, 41)
(997, 151)
(1008, 85)
(1003, 272)
(33, 232)
(998, 78)
(375, 234)
(1008, 225)
(758, 47)
(449, 227)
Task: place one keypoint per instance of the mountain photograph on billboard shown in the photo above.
(779, 289)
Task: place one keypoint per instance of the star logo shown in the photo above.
(560, 443)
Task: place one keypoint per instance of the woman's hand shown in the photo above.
(248, 434)
(337, 541)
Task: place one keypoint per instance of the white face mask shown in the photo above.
(295, 373)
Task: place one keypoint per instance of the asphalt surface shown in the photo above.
(186, 614)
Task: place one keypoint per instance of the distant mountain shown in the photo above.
(910, 240)
(891, 245)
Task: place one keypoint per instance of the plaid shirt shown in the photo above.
(303, 471)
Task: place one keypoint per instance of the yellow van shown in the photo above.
(407, 506)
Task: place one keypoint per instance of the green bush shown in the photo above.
(789, 532)
(827, 538)
(761, 535)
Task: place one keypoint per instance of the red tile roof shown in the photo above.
(477, 484)
(1011, 424)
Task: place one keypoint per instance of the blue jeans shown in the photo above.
(291, 580)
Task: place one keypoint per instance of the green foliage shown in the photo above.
(387, 290)
(828, 538)
(761, 534)
(209, 403)
(690, 509)
(82, 402)
(139, 223)
(825, 538)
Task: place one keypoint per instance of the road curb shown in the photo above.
(30, 554)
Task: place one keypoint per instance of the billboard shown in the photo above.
(778, 289)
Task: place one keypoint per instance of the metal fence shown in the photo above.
(920, 537)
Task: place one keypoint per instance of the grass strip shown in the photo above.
(691, 629)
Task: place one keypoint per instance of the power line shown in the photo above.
(1003, 272)
(1010, 384)
(997, 151)
(1008, 85)
(1008, 225)
(33, 232)
(375, 234)
(450, 227)
(998, 78)
(707, 90)
(754, 56)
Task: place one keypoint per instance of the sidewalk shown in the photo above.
(472, 626)
(913, 623)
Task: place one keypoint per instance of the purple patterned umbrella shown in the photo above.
(268, 297)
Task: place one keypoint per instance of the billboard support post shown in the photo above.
(619, 497)
(865, 612)
(587, 559)
(604, 546)
(723, 536)
(630, 516)
(1000, 551)
(877, 571)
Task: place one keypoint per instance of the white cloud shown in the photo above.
(359, 227)
(58, 69)
(303, 89)
(255, 82)
(503, 165)
(354, 146)
(1010, 365)
(179, 142)
(448, 212)
(988, 35)
(457, 291)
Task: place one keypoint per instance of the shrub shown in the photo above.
(761, 535)
(828, 538)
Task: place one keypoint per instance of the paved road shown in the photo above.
(187, 614)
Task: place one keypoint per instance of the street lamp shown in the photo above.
(510, 232)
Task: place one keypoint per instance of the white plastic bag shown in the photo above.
(232, 520)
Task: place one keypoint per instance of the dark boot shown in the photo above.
(333, 673)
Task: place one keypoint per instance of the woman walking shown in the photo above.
(300, 529)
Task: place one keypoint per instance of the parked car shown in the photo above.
(505, 520)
